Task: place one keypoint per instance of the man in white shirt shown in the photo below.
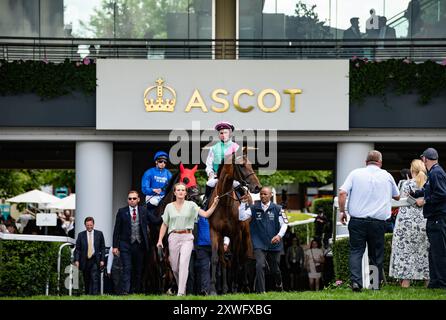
(369, 191)
(268, 224)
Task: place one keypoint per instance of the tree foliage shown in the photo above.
(282, 177)
(295, 176)
(306, 24)
(15, 181)
(133, 18)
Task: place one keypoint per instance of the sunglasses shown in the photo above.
(133, 198)
(162, 161)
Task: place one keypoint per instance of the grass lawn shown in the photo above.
(386, 293)
(297, 216)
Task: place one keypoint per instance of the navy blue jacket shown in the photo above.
(81, 251)
(264, 226)
(434, 191)
(123, 227)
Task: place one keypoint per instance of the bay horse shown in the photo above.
(159, 276)
(225, 219)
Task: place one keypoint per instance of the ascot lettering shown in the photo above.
(220, 96)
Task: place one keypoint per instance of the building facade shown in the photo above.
(221, 58)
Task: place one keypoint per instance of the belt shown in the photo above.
(182, 231)
(366, 218)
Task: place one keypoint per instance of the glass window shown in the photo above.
(328, 19)
(143, 19)
(19, 18)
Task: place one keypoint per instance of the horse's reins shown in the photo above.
(243, 182)
(228, 194)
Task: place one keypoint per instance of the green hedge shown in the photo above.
(341, 252)
(326, 204)
(367, 78)
(401, 76)
(25, 267)
(47, 79)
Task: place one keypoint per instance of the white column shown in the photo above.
(351, 156)
(122, 180)
(94, 186)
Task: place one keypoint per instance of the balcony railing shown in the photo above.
(58, 49)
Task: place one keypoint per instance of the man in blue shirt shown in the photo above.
(434, 210)
(204, 254)
(268, 224)
(156, 179)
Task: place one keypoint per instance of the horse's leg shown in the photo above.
(224, 278)
(214, 261)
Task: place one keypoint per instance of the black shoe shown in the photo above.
(356, 287)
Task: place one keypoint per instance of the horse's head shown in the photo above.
(245, 174)
(187, 176)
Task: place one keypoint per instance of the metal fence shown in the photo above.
(58, 49)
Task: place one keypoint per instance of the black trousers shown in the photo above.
(191, 284)
(91, 276)
(203, 263)
(132, 267)
(366, 231)
(273, 260)
(436, 233)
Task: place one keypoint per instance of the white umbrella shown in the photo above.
(65, 203)
(34, 196)
(328, 187)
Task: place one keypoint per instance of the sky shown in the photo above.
(76, 10)
(340, 13)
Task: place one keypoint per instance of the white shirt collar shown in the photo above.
(266, 206)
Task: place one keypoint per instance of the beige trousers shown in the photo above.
(180, 249)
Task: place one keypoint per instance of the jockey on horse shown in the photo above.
(155, 180)
(216, 156)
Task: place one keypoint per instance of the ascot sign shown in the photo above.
(253, 94)
(159, 104)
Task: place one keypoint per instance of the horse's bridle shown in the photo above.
(243, 177)
(243, 181)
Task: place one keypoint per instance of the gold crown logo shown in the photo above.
(159, 104)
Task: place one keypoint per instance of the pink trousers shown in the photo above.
(180, 249)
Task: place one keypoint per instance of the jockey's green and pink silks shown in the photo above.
(220, 150)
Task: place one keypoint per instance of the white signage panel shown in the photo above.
(46, 219)
(253, 94)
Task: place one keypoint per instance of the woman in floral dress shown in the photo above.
(409, 259)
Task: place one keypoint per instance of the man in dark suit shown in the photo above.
(353, 32)
(89, 255)
(130, 241)
(386, 32)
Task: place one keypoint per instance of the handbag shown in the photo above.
(318, 266)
